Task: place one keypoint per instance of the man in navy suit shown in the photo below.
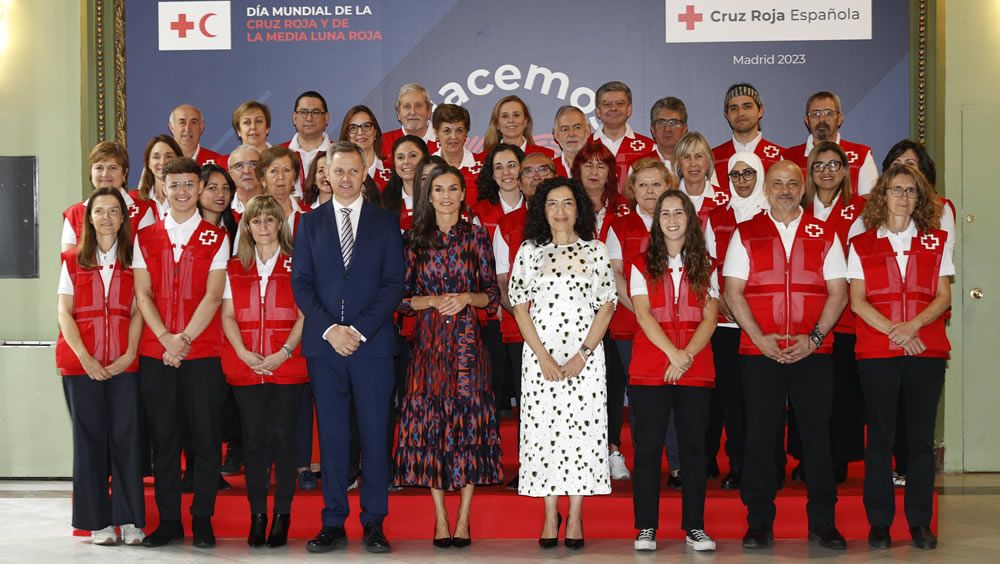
(347, 274)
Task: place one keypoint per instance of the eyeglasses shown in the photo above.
(910, 192)
(511, 166)
(309, 113)
(747, 174)
(190, 184)
(820, 166)
(365, 127)
(240, 166)
(821, 113)
(667, 123)
(537, 170)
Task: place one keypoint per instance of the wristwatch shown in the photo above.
(816, 336)
(585, 352)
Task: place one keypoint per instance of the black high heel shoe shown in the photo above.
(279, 530)
(575, 544)
(552, 542)
(258, 530)
(443, 542)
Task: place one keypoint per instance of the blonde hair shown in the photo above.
(264, 205)
(689, 142)
(645, 164)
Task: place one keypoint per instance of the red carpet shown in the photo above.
(499, 513)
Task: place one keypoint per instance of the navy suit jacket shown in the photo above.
(364, 295)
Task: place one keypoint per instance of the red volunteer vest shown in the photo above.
(631, 148)
(841, 219)
(205, 156)
(634, 238)
(511, 228)
(709, 203)
(489, 215)
(768, 152)
(617, 207)
(679, 322)
(264, 323)
(723, 220)
(76, 212)
(389, 139)
(786, 296)
(856, 153)
(898, 299)
(178, 287)
(560, 169)
(102, 323)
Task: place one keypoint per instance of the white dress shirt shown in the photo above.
(355, 215)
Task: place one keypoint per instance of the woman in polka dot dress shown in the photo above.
(563, 292)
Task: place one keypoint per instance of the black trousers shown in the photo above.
(616, 382)
(651, 409)
(304, 429)
(498, 363)
(269, 414)
(105, 417)
(232, 429)
(919, 381)
(727, 398)
(847, 420)
(194, 394)
(809, 385)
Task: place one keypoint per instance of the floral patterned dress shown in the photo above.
(448, 434)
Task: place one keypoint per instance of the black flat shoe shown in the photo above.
(674, 482)
(327, 539)
(923, 538)
(878, 537)
(732, 479)
(554, 541)
(202, 533)
(167, 532)
(374, 539)
(827, 536)
(258, 530)
(758, 536)
(279, 530)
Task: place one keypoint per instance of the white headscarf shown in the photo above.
(745, 208)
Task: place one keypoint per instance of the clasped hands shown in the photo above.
(176, 347)
(263, 365)
(904, 334)
(680, 361)
(451, 303)
(800, 347)
(343, 339)
(96, 371)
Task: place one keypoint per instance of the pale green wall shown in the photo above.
(40, 114)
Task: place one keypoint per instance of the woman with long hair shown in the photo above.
(317, 190)
(397, 196)
(99, 330)
(361, 128)
(511, 123)
(215, 200)
(899, 272)
(448, 437)
(160, 150)
(675, 295)
(262, 361)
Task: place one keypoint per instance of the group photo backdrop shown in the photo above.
(218, 54)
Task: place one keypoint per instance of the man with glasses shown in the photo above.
(668, 122)
(243, 170)
(186, 126)
(743, 110)
(823, 120)
(310, 118)
(571, 131)
(614, 108)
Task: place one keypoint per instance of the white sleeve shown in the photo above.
(854, 269)
(501, 253)
(713, 286)
(138, 261)
(65, 282)
(637, 283)
(221, 256)
(68, 235)
(857, 228)
(737, 262)
(867, 176)
(614, 245)
(835, 265)
(148, 219)
(236, 239)
(948, 225)
(475, 221)
(710, 240)
(947, 262)
(227, 293)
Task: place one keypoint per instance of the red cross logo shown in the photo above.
(813, 230)
(288, 264)
(852, 157)
(182, 25)
(930, 241)
(721, 198)
(771, 151)
(133, 211)
(208, 237)
(474, 169)
(384, 174)
(689, 17)
(848, 212)
(637, 145)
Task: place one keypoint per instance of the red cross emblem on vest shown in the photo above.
(637, 145)
(852, 157)
(720, 198)
(930, 241)
(848, 212)
(133, 211)
(384, 174)
(287, 264)
(771, 151)
(474, 169)
(813, 230)
(208, 237)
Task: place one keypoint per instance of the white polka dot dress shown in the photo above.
(564, 424)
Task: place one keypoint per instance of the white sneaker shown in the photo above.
(700, 541)
(618, 469)
(105, 537)
(646, 540)
(132, 535)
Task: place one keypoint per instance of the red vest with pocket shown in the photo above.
(900, 299)
(264, 322)
(102, 323)
(768, 152)
(710, 203)
(75, 214)
(856, 153)
(634, 238)
(679, 322)
(723, 220)
(511, 228)
(630, 149)
(786, 296)
(841, 219)
(617, 207)
(178, 287)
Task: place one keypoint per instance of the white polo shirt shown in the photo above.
(180, 234)
(738, 262)
(900, 245)
(637, 282)
(105, 261)
(68, 236)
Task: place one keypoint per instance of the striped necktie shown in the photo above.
(346, 236)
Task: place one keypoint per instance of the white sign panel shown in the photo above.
(722, 21)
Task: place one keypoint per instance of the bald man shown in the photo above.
(186, 126)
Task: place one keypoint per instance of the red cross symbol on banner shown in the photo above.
(721, 198)
(182, 25)
(771, 151)
(813, 230)
(689, 17)
(637, 145)
(287, 264)
(930, 241)
(848, 212)
(208, 237)
(852, 157)
(133, 211)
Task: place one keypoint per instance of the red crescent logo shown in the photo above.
(202, 22)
